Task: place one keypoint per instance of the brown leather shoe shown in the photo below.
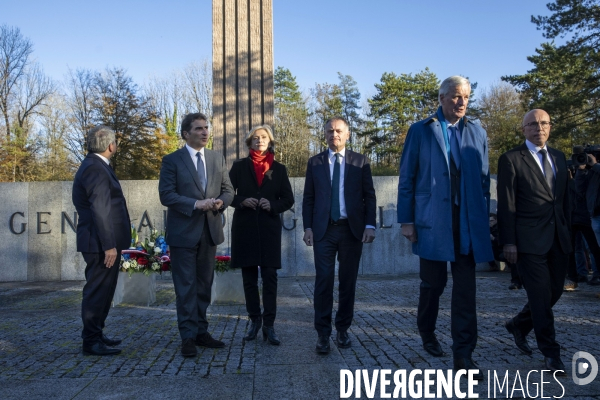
(205, 340)
(188, 348)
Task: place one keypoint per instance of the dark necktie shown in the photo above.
(548, 173)
(335, 189)
(455, 147)
(200, 168)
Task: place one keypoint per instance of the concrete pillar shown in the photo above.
(242, 72)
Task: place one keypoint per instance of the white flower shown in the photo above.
(157, 250)
(155, 266)
(126, 265)
(151, 244)
(134, 264)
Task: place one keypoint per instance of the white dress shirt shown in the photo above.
(538, 157)
(103, 158)
(342, 153)
(195, 161)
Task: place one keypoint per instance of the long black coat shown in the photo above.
(256, 234)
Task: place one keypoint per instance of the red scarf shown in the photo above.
(262, 163)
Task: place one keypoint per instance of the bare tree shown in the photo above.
(501, 111)
(196, 85)
(33, 92)
(54, 160)
(14, 59)
(79, 99)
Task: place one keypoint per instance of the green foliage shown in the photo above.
(350, 97)
(172, 131)
(141, 144)
(400, 101)
(565, 80)
(292, 133)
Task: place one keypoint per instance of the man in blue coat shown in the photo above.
(443, 203)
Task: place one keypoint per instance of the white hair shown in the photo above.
(452, 83)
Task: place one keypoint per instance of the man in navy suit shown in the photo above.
(103, 231)
(534, 229)
(338, 214)
(194, 184)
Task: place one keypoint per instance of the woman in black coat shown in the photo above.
(262, 192)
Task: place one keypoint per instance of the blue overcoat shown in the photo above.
(424, 191)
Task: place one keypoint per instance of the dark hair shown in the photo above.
(338, 118)
(186, 123)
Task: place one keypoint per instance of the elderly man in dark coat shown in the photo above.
(262, 192)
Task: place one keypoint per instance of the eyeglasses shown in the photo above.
(543, 124)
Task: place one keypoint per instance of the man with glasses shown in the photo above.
(533, 222)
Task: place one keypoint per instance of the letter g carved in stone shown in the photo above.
(11, 224)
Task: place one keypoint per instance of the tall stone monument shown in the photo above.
(242, 72)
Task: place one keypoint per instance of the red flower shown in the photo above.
(142, 261)
(223, 258)
(166, 266)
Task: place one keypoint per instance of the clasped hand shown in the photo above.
(209, 204)
(252, 203)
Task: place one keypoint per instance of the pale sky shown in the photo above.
(313, 38)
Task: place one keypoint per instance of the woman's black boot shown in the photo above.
(254, 328)
(269, 334)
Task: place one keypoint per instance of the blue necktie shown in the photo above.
(335, 189)
(200, 168)
(455, 147)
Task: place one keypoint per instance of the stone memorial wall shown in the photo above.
(38, 241)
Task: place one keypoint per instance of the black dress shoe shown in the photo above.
(188, 348)
(467, 363)
(99, 349)
(270, 335)
(110, 342)
(323, 345)
(254, 328)
(595, 281)
(555, 364)
(205, 340)
(514, 286)
(431, 345)
(343, 340)
(520, 339)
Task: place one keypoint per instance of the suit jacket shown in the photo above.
(359, 194)
(179, 188)
(529, 214)
(256, 234)
(103, 221)
(424, 191)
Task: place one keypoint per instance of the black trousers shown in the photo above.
(192, 270)
(463, 314)
(543, 279)
(590, 238)
(338, 240)
(269, 279)
(514, 274)
(98, 293)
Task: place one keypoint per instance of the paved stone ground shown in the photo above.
(40, 346)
